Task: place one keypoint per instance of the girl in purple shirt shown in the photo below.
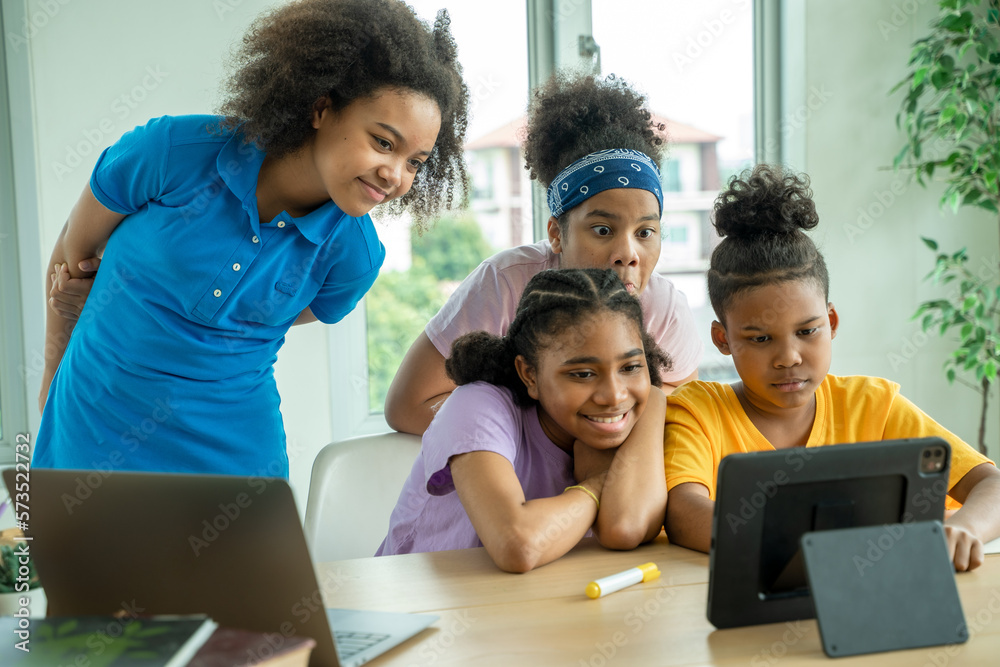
(555, 429)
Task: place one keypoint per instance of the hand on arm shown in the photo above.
(68, 295)
(979, 519)
(634, 497)
(418, 389)
(82, 238)
(519, 535)
(689, 516)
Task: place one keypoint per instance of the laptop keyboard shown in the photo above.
(351, 643)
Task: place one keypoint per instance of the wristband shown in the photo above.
(585, 490)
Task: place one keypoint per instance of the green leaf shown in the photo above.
(966, 330)
(930, 243)
(900, 156)
(990, 370)
(927, 322)
(941, 79)
(988, 205)
(918, 77)
(951, 375)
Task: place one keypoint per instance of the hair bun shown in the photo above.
(765, 200)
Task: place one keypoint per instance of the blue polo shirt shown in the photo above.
(170, 366)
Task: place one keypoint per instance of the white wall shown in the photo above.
(854, 53)
(101, 67)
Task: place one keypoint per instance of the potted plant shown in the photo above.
(18, 580)
(951, 117)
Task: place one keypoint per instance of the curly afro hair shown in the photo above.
(761, 216)
(345, 50)
(554, 303)
(572, 116)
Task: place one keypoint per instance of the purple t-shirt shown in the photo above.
(476, 417)
(487, 301)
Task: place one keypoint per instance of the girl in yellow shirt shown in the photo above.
(769, 287)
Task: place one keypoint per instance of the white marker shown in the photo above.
(616, 582)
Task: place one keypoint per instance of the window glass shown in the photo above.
(694, 62)
(421, 270)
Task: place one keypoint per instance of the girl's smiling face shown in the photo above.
(780, 337)
(369, 152)
(591, 382)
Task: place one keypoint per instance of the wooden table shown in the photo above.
(543, 618)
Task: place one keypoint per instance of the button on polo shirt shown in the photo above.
(170, 318)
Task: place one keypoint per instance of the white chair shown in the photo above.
(354, 487)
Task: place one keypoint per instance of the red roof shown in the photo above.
(511, 134)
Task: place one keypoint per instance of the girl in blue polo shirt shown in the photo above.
(220, 232)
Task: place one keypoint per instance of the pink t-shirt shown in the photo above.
(487, 301)
(476, 417)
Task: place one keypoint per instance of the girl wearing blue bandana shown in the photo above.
(220, 232)
(592, 144)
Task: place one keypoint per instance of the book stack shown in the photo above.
(105, 641)
(230, 647)
(144, 641)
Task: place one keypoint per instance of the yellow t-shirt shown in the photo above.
(706, 422)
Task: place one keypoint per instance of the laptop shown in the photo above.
(226, 546)
(766, 501)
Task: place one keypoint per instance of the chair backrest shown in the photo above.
(354, 487)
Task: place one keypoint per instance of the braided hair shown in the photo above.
(554, 301)
(761, 216)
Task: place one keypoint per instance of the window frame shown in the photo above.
(20, 245)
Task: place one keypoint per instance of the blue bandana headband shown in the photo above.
(600, 171)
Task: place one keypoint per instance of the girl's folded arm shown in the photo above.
(979, 518)
(689, 516)
(519, 535)
(83, 237)
(634, 498)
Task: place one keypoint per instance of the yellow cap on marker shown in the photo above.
(616, 582)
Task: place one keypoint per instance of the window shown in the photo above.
(698, 76)
(695, 63)
(421, 271)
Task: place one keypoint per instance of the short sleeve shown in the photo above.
(481, 303)
(688, 453)
(356, 257)
(476, 417)
(906, 420)
(132, 172)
